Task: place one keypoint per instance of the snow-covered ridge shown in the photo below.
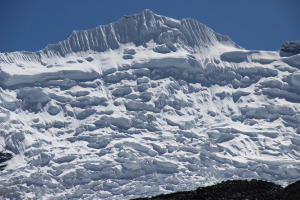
(137, 29)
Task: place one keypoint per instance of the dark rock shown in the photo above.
(289, 49)
(235, 190)
(291, 192)
(3, 158)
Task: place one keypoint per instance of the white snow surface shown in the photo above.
(144, 106)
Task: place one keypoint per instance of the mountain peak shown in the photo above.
(145, 13)
(140, 29)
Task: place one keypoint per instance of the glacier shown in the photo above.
(143, 106)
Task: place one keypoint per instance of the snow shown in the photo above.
(120, 111)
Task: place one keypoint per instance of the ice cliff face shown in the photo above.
(142, 106)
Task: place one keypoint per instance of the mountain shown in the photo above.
(143, 106)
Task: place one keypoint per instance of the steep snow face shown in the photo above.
(143, 106)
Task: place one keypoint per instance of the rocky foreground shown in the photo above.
(237, 190)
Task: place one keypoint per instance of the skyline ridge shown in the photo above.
(256, 25)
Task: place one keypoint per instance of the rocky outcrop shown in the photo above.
(3, 158)
(290, 48)
(237, 190)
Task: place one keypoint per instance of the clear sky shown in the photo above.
(253, 24)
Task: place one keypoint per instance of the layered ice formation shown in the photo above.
(144, 106)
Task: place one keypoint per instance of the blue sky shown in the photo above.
(257, 24)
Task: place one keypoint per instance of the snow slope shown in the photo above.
(143, 106)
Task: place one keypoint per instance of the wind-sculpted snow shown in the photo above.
(145, 109)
